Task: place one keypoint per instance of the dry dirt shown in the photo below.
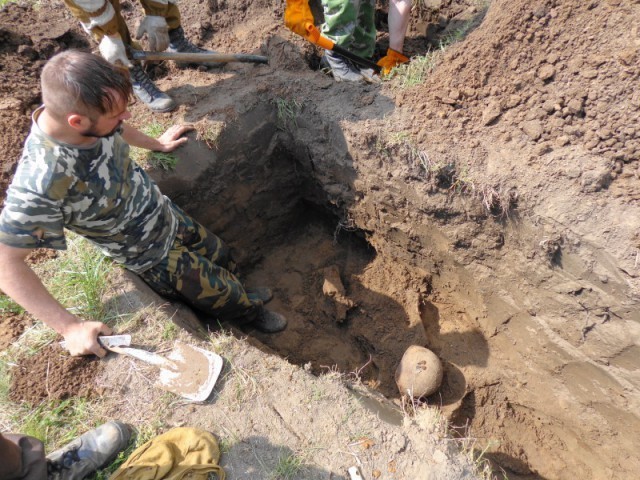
(490, 214)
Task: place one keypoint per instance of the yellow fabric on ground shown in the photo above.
(179, 453)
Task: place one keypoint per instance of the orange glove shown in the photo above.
(392, 59)
(299, 19)
(297, 16)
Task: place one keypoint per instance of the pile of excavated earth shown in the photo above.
(489, 212)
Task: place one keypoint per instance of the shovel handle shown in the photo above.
(199, 57)
(147, 357)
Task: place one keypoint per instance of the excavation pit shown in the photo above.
(349, 310)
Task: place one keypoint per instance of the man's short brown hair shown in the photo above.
(75, 81)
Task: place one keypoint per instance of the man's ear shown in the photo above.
(78, 122)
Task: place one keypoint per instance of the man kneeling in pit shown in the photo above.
(76, 173)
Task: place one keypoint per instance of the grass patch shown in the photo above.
(8, 306)
(416, 71)
(147, 159)
(209, 133)
(80, 279)
(288, 110)
(160, 160)
(55, 423)
(5, 382)
(289, 467)
(170, 331)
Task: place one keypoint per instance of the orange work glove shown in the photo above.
(392, 59)
(297, 16)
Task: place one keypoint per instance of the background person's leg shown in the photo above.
(168, 10)
(340, 22)
(364, 33)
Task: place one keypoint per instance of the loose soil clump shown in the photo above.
(52, 374)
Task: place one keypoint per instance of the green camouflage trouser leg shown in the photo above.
(199, 270)
(351, 25)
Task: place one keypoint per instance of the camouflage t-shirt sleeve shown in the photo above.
(32, 216)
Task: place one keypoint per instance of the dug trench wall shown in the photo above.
(538, 347)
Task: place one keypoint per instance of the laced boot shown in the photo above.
(148, 93)
(341, 68)
(88, 453)
(179, 43)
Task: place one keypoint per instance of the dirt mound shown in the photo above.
(52, 374)
(11, 327)
(547, 75)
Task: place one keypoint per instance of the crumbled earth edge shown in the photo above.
(537, 109)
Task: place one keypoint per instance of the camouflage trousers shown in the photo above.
(200, 271)
(351, 25)
(169, 11)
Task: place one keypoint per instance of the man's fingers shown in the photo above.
(105, 330)
(99, 351)
(185, 128)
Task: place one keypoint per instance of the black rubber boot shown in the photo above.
(147, 92)
(179, 43)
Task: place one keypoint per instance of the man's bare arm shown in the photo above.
(19, 281)
(167, 142)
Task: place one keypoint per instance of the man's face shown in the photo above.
(106, 124)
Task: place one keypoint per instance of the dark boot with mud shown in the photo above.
(147, 92)
(269, 322)
(179, 43)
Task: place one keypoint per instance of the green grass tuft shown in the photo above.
(288, 110)
(8, 306)
(147, 159)
(55, 423)
(416, 71)
(81, 279)
(289, 467)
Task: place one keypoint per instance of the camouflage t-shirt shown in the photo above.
(95, 191)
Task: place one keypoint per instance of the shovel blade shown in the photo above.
(195, 374)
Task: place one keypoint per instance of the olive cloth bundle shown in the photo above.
(179, 453)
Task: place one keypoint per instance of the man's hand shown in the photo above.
(82, 338)
(391, 60)
(157, 32)
(113, 51)
(172, 138)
